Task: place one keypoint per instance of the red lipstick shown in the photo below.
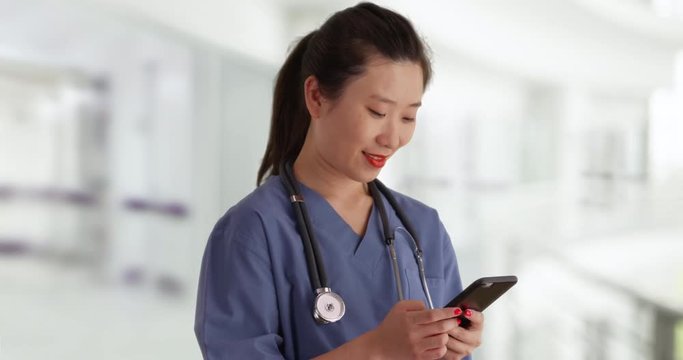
(376, 161)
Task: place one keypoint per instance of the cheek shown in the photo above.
(349, 128)
(406, 134)
(341, 133)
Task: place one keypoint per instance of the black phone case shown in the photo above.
(481, 293)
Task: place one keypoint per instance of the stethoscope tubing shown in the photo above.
(316, 269)
(376, 187)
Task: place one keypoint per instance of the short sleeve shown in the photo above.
(451, 269)
(236, 315)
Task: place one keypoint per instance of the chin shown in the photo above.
(361, 171)
(366, 176)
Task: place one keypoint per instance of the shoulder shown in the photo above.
(245, 221)
(424, 219)
(419, 212)
(266, 199)
(429, 232)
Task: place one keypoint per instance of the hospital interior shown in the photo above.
(550, 142)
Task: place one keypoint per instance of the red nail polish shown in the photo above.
(468, 313)
(457, 312)
(459, 321)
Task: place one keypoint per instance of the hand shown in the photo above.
(461, 341)
(410, 331)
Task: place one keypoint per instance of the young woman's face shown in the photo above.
(375, 116)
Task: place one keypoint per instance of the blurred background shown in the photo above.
(551, 143)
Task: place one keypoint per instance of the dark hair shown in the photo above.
(336, 52)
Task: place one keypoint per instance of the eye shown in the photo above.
(376, 114)
(409, 119)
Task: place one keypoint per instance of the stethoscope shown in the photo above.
(329, 307)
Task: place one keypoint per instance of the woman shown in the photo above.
(345, 101)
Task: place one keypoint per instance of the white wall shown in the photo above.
(254, 28)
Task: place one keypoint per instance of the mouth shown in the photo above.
(375, 160)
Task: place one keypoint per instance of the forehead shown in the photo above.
(401, 81)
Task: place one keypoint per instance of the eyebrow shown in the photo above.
(393, 102)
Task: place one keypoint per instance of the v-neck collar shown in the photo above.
(338, 238)
(324, 218)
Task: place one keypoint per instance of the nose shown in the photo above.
(390, 136)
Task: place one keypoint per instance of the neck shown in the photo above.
(314, 172)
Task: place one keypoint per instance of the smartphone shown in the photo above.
(481, 293)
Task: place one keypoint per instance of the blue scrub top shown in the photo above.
(255, 298)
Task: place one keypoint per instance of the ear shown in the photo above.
(313, 97)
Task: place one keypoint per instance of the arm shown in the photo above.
(236, 313)
(462, 342)
(451, 270)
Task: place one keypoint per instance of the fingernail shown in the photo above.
(459, 321)
(468, 313)
(457, 312)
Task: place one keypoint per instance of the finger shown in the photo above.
(433, 342)
(476, 319)
(450, 355)
(435, 354)
(430, 316)
(437, 327)
(470, 338)
(457, 347)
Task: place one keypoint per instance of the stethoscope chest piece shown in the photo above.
(329, 306)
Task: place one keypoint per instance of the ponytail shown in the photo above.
(335, 53)
(289, 119)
